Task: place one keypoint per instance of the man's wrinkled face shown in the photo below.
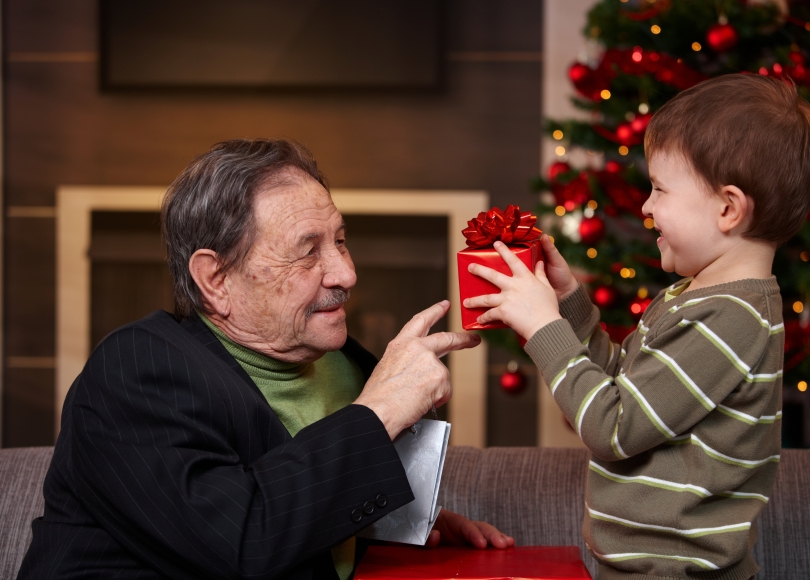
(290, 291)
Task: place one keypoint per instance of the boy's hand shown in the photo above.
(527, 301)
(557, 271)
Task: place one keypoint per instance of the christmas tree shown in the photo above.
(638, 54)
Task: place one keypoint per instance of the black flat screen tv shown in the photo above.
(270, 43)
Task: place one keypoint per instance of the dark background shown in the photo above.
(480, 130)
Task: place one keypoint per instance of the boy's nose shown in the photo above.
(647, 208)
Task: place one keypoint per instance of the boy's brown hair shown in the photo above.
(746, 130)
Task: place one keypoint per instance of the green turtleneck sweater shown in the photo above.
(300, 394)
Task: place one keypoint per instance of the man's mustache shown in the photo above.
(335, 297)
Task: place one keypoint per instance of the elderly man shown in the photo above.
(245, 436)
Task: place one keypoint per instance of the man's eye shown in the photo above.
(340, 242)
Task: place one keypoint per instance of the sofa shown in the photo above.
(533, 494)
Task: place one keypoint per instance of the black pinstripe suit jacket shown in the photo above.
(170, 463)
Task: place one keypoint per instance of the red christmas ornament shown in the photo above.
(578, 72)
(556, 168)
(721, 37)
(574, 193)
(625, 134)
(639, 124)
(591, 230)
(604, 296)
(638, 306)
(613, 166)
(513, 381)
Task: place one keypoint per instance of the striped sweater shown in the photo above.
(683, 421)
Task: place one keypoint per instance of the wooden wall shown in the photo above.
(480, 131)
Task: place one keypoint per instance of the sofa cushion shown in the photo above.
(22, 472)
(783, 528)
(537, 495)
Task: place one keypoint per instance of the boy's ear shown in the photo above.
(735, 210)
(211, 280)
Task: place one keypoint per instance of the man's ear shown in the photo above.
(211, 280)
(735, 210)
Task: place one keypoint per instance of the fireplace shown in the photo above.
(111, 270)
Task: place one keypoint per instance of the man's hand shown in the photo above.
(455, 530)
(410, 378)
(527, 301)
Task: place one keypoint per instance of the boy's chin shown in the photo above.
(667, 266)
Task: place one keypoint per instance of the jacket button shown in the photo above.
(357, 515)
(368, 508)
(381, 501)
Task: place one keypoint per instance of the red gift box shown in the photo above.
(511, 227)
(445, 562)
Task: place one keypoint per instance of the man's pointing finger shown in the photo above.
(443, 342)
(420, 324)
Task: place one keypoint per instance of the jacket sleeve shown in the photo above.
(692, 359)
(153, 432)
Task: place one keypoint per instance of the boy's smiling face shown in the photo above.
(685, 214)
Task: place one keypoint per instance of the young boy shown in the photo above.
(684, 418)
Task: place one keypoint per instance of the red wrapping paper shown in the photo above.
(513, 228)
(471, 285)
(446, 562)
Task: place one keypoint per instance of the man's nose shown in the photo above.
(339, 271)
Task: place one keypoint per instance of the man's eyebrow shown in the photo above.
(307, 237)
(311, 236)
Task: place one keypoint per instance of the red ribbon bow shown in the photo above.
(509, 226)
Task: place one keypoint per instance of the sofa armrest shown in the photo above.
(22, 472)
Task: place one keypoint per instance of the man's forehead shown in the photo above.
(293, 193)
(298, 210)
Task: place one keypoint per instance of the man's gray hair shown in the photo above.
(210, 206)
